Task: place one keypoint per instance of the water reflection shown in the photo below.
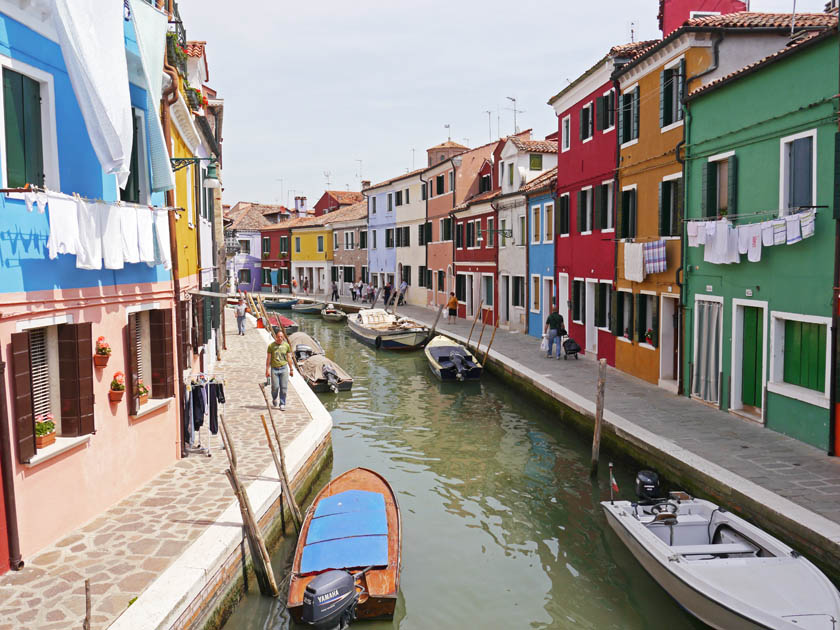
(502, 527)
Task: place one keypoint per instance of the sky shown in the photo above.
(341, 91)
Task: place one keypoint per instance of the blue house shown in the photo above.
(382, 239)
(540, 221)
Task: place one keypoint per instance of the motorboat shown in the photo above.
(324, 375)
(332, 314)
(305, 305)
(378, 328)
(450, 361)
(304, 346)
(289, 325)
(726, 572)
(348, 556)
(279, 304)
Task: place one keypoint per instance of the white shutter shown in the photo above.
(40, 371)
(138, 344)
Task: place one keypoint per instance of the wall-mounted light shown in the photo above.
(212, 178)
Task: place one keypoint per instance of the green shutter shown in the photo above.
(678, 215)
(837, 182)
(15, 129)
(580, 125)
(614, 313)
(732, 192)
(705, 206)
(680, 90)
(580, 211)
(620, 100)
(619, 215)
(641, 316)
(598, 211)
(655, 321)
(636, 107)
(662, 81)
(34, 140)
(600, 106)
(631, 214)
(663, 214)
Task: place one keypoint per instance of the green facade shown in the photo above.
(773, 316)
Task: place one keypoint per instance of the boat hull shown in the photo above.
(307, 308)
(322, 387)
(333, 317)
(397, 340)
(451, 375)
(279, 305)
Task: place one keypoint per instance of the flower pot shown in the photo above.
(115, 395)
(101, 360)
(44, 440)
(144, 398)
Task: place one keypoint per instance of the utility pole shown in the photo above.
(360, 171)
(489, 126)
(516, 111)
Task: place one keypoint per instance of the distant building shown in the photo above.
(244, 238)
(333, 200)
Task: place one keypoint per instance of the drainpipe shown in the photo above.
(616, 191)
(7, 463)
(835, 303)
(423, 182)
(715, 62)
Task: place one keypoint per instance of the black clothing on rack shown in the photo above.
(215, 394)
(199, 406)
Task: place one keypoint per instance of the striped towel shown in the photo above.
(655, 259)
(794, 229)
(779, 231)
(807, 222)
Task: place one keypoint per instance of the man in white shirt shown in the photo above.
(239, 309)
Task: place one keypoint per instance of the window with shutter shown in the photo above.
(132, 363)
(24, 141)
(24, 420)
(489, 239)
(441, 281)
(75, 367)
(40, 370)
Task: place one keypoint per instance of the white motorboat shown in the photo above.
(378, 328)
(725, 571)
(308, 345)
(450, 361)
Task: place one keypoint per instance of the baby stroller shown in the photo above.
(570, 346)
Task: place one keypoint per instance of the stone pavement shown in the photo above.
(124, 549)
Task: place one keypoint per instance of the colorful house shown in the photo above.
(312, 254)
(244, 236)
(333, 200)
(476, 257)
(761, 157)
(349, 229)
(411, 233)
(276, 254)
(541, 229)
(382, 201)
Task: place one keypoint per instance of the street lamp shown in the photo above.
(212, 178)
(504, 233)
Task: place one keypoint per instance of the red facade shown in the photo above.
(672, 13)
(277, 257)
(476, 259)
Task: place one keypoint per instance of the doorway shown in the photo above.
(504, 310)
(589, 317)
(706, 375)
(470, 295)
(563, 297)
(669, 347)
(548, 299)
(748, 350)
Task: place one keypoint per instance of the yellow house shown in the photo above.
(312, 255)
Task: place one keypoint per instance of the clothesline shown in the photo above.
(759, 213)
(130, 204)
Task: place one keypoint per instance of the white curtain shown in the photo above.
(90, 33)
(706, 377)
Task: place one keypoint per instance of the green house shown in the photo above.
(760, 164)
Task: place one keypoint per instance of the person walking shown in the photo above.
(334, 292)
(306, 286)
(387, 293)
(452, 305)
(403, 292)
(239, 309)
(555, 329)
(278, 367)
(294, 286)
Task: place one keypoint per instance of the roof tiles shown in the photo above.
(194, 49)
(540, 146)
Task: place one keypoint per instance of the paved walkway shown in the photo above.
(124, 549)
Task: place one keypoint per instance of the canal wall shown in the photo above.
(201, 588)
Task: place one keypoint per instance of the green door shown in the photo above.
(751, 382)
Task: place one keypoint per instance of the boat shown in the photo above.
(725, 571)
(378, 328)
(278, 304)
(303, 346)
(332, 314)
(289, 325)
(324, 375)
(450, 361)
(308, 306)
(348, 557)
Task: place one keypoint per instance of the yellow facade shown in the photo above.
(306, 246)
(186, 225)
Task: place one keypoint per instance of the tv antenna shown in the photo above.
(448, 132)
(412, 158)
(359, 174)
(327, 176)
(489, 125)
(515, 111)
(632, 32)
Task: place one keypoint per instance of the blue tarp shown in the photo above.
(345, 553)
(365, 523)
(350, 501)
(274, 275)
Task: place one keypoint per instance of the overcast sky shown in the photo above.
(315, 86)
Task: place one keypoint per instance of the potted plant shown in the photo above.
(142, 392)
(44, 430)
(103, 352)
(649, 336)
(117, 390)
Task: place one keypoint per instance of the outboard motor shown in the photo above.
(303, 352)
(329, 602)
(647, 486)
(332, 377)
(460, 366)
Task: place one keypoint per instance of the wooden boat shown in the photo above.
(725, 571)
(450, 361)
(308, 306)
(332, 314)
(290, 325)
(352, 527)
(308, 345)
(279, 304)
(324, 375)
(378, 328)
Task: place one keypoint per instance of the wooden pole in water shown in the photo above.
(434, 326)
(599, 415)
(483, 326)
(86, 622)
(279, 466)
(284, 475)
(486, 352)
(474, 321)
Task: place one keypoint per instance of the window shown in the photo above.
(565, 130)
(406, 274)
(244, 276)
(320, 243)
(334, 274)
(348, 273)
(535, 294)
(406, 235)
(297, 244)
(362, 239)
(470, 226)
(523, 231)
(373, 237)
(484, 184)
(441, 281)
(720, 178)
(284, 245)
(584, 210)
(266, 275)
(451, 180)
(24, 142)
(603, 296)
(390, 202)
(349, 239)
(428, 276)
(364, 273)
(647, 319)
(804, 354)
(624, 315)
(548, 223)
(421, 276)
(671, 82)
(373, 205)
(389, 237)
(283, 276)
(603, 206)
(423, 195)
(605, 111)
(488, 290)
(627, 214)
(628, 116)
(446, 229)
(535, 161)
(586, 122)
(135, 187)
(563, 214)
(798, 168)
(670, 207)
(398, 237)
(398, 198)
(578, 301)
(244, 246)
(502, 229)
(421, 234)
(405, 196)
(535, 224)
(266, 246)
(335, 240)
(461, 287)
(510, 174)
(459, 235)
(439, 185)
(491, 223)
(518, 297)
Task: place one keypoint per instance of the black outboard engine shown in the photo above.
(303, 352)
(332, 377)
(647, 486)
(460, 367)
(329, 602)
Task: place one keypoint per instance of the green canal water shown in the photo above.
(501, 523)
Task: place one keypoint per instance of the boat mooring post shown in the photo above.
(286, 491)
(492, 337)
(286, 486)
(599, 415)
(86, 622)
(434, 326)
(483, 326)
(480, 304)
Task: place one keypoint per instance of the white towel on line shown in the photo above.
(767, 234)
(145, 235)
(749, 239)
(64, 226)
(112, 247)
(634, 263)
(732, 255)
(807, 221)
(793, 229)
(89, 251)
(163, 255)
(692, 229)
(128, 224)
(38, 199)
(701, 232)
(779, 231)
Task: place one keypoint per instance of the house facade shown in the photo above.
(349, 230)
(476, 258)
(244, 234)
(541, 235)
(410, 237)
(312, 254)
(762, 157)
(382, 223)
(276, 255)
(333, 200)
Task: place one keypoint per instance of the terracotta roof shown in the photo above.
(397, 178)
(540, 146)
(448, 145)
(805, 38)
(485, 196)
(632, 48)
(544, 180)
(747, 19)
(292, 223)
(194, 49)
(347, 213)
(246, 216)
(345, 197)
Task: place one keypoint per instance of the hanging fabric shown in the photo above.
(634, 263)
(163, 255)
(112, 246)
(89, 253)
(655, 256)
(706, 375)
(130, 234)
(64, 226)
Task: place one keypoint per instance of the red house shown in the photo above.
(276, 255)
(476, 255)
(332, 200)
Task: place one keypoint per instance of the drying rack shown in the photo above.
(204, 429)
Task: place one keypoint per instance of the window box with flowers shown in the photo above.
(194, 98)
(650, 337)
(103, 352)
(44, 430)
(142, 393)
(117, 391)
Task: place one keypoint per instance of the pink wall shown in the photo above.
(64, 492)
(672, 13)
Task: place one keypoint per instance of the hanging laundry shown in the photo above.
(64, 226)
(112, 247)
(163, 255)
(216, 394)
(199, 406)
(634, 262)
(743, 241)
(721, 243)
(749, 241)
(189, 428)
(89, 251)
(655, 257)
(807, 221)
(145, 235)
(692, 231)
(128, 224)
(732, 255)
(767, 233)
(793, 228)
(36, 199)
(779, 231)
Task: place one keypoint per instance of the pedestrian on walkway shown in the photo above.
(334, 292)
(555, 329)
(294, 286)
(306, 286)
(278, 367)
(452, 305)
(239, 309)
(387, 293)
(403, 292)
(353, 291)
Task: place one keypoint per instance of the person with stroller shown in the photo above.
(555, 329)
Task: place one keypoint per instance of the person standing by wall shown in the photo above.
(452, 305)
(278, 367)
(556, 329)
(239, 309)
(334, 292)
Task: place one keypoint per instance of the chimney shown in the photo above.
(365, 183)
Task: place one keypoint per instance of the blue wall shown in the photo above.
(381, 259)
(540, 261)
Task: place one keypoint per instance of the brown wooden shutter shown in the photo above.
(131, 363)
(163, 360)
(194, 329)
(75, 378)
(184, 305)
(22, 378)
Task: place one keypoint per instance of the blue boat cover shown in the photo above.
(349, 529)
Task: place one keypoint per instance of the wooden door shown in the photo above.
(753, 349)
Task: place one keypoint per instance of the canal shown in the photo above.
(501, 523)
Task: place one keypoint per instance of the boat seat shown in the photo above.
(714, 550)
